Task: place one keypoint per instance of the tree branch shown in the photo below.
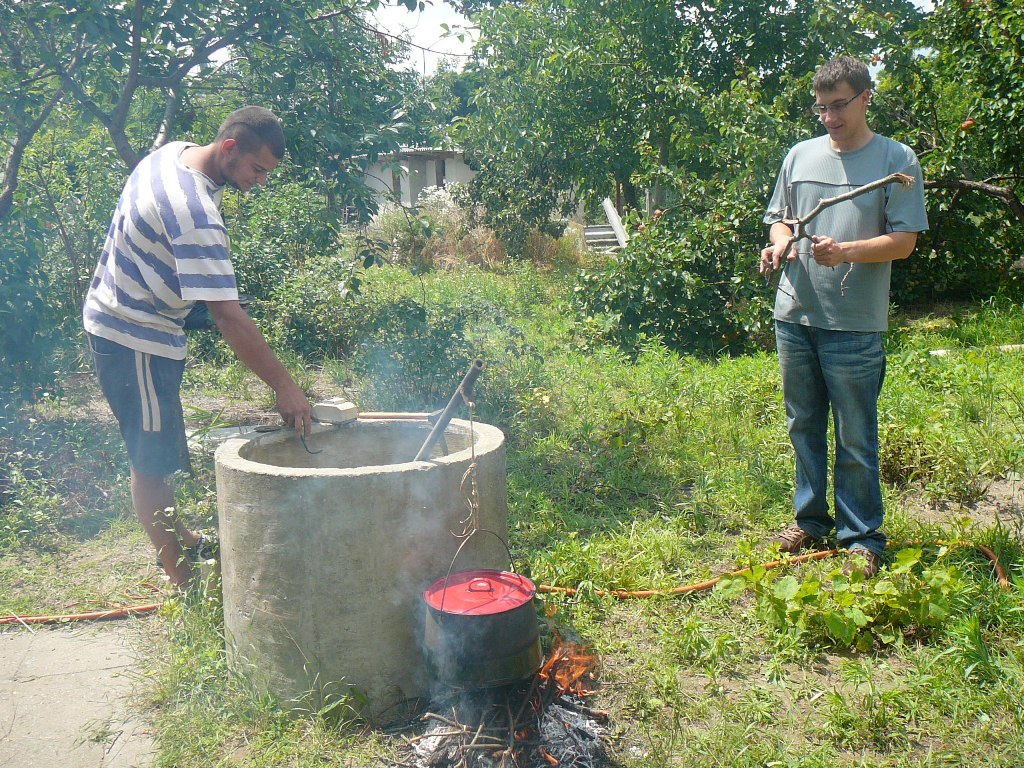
(1004, 194)
(22, 139)
(163, 132)
(797, 225)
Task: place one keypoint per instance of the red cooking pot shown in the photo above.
(481, 628)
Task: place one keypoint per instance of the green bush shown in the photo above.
(83, 182)
(440, 231)
(967, 253)
(413, 235)
(27, 341)
(32, 509)
(908, 596)
(413, 353)
(277, 230)
(514, 201)
(311, 311)
(413, 357)
(692, 283)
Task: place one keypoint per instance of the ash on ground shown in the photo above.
(509, 728)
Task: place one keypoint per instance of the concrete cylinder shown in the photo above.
(325, 556)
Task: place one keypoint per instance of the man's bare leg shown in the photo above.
(152, 496)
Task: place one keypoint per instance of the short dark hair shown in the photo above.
(843, 69)
(254, 128)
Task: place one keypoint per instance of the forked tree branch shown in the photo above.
(798, 225)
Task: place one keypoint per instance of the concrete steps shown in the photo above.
(601, 238)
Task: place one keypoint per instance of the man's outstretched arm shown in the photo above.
(252, 348)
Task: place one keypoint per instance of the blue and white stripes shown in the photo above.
(167, 247)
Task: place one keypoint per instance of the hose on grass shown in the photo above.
(125, 611)
(116, 612)
(121, 612)
(628, 594)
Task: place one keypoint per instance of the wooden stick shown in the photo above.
(595, 714)
(445, 720)
(798, 224)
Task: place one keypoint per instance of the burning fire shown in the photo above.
(571, 669)
(552, 728)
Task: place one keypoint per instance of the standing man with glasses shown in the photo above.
(166, 250)
(831, 309)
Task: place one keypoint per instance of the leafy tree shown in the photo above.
(83, 76)
(470, 7)
(433, 103)
(28, 95)
(950, 86)
(954, 94)
(139, 68)
(334, 126)
(689, 274)
(697, 104)
(590, 92)
(25, 343)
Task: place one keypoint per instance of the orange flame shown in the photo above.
(570, 666)
(549, 757)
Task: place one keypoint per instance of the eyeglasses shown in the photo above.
(835, 109)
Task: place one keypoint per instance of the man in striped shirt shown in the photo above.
(166, 249)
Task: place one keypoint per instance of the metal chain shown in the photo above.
(471, 522)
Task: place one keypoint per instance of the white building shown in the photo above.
(409, 171)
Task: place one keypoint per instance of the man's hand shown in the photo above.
(773, 255)
(827, 251)
(782, 247)
(295, 409)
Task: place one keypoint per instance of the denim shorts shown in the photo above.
(144, 392)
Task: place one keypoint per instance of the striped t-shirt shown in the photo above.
(167, 248)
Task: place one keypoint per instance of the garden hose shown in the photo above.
(622, 594)
(626, 594)
(122, 612)
(118, 612)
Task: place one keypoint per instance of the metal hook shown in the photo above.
(302, 439)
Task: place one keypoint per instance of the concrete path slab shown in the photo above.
(64, 697)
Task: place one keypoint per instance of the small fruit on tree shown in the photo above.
(967, 124)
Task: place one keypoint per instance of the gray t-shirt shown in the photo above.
(848, 297)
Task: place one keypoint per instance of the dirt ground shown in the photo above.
(1003, 504)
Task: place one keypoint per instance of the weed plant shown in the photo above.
(633, 470)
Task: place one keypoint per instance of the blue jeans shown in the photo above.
(844, 371)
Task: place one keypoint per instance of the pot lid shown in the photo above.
(481, 592)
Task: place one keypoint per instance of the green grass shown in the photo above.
(629, 470)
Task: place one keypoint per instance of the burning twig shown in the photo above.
(581, 709)
(528, 699)
(479, 740)
(534, 725)
(445, 720)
